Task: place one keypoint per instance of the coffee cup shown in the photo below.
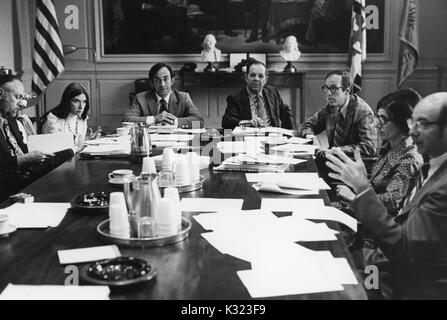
(117, 176)
(4, 223)
(127, 125)
(122, 131)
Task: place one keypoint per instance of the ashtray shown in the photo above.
(118, 272)
(97, 202)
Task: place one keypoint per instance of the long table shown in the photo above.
(191, 269)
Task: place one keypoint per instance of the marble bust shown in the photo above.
(210, 53)
(290, 50)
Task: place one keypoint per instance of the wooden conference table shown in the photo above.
(192, 269)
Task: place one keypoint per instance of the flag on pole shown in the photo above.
(409, 41)
(357, 46)
(48, 57)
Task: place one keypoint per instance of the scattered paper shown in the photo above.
(210, 204)
(82, 255)
(44, 292)
(36, 214)
(292, 180)
(326, 213)
(291, 205)
(273, 188)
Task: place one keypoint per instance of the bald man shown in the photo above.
(415, 242)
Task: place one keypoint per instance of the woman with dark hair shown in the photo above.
(392, 176)
(71, 114)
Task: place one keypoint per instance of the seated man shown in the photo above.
(347, 119)
(260, 104)
(18, 167)
(164, 105)
(414, 243)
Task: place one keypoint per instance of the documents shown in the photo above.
(36, 214)
(297, 149)
(273, 188)
(292, 180)
(88, 254)
(31, 292)
(50, 143)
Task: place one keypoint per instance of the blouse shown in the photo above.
(72, 124)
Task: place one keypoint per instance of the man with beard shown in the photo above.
(258, 104)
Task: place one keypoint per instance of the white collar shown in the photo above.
(436, 163)
(344, 109)
(165, 98)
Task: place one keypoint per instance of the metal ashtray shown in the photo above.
(118, 272)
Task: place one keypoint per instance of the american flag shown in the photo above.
(48, 57)
(357, 48)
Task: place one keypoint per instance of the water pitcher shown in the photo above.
(142, 198)
(140, 143)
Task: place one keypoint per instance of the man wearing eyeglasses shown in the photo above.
(14, 155)
(414, 244)
(347, 119)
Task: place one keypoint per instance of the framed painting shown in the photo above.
(177, 27)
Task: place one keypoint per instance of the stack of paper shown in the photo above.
(244, 131)
(296, 140)
(297, 149)
(235, 147)
(257, 163)
(292, 180)
(30, 292)
(162, 128)
(36, 215)
(108, 146)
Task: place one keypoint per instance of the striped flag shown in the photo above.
(357, 47)
(48, 57)
(409, 41)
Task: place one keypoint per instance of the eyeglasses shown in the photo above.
(381, 120)
(332, 89)
(19, 96)
(420, 124)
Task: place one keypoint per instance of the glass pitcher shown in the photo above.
(142, 198)
(140, 143)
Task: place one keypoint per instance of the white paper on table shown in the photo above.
(326, 213)
(273, 188)
(50, 143)
(36, 214)
(45, 292)
(210, 204)
(193, 131)
(292, 180)
(249, 146)
(268, 159)
(105, 149)
(297, 148)
(169, 144)
(82, 255)
(296, 140)
(120, 140)
(290, 205)
(171, 137)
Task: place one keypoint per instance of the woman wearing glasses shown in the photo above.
(393, 174)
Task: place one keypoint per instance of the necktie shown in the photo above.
(339, 128)
(15, 148)
(421, 177)
(260, 109)
(163, 105)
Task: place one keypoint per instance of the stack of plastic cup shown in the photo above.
(167, 219)
(194, 167)
(119, 220)
(168, 160)
(173, 195)
(181, 172)
(148, 165)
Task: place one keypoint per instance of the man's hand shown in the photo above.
(257, 122)
(34, 157)
(344, 193)
(352, 173)
(165, 118)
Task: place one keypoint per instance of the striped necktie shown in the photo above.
(421, 177)
(14, 146)
(163, 106)
(260, 109)
(339, 128)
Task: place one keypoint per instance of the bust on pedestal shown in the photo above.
(290, 53)
(210, 53)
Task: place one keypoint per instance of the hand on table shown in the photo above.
(165, 118)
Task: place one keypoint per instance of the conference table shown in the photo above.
(187, 270)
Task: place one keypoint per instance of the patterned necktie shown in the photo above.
(339, 128)
(163, 106)
(14, 146)
(260, 109)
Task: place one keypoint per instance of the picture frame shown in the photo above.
(236, 58)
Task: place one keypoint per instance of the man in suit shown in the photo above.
(415, 242)
(162, 104)
(347, 118)
(257, 103)
(14, 156)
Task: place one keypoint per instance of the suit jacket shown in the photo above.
(359, 130)
(238, 108)
(393, 175)
(145, 104)
(415, 242)
(8, 163)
